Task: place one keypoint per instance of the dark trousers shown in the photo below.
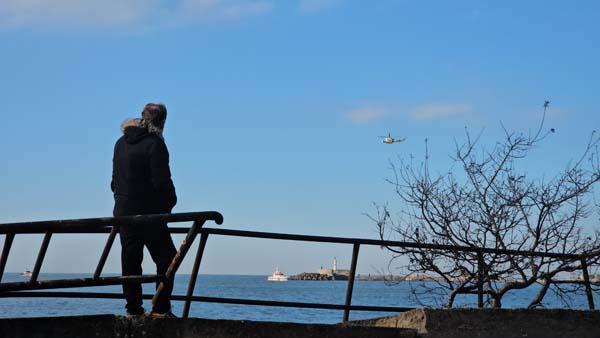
(134, 237)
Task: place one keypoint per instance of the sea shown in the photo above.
(376, 293)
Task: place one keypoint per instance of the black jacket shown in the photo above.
(141, 179)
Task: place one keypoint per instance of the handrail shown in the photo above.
(65, 225)
(106, 225)
(377, 242)
(79, 282)
(95, 229)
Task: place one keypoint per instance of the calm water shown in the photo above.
(251, 287)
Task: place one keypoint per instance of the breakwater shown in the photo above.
(330, 277)
(317, 276)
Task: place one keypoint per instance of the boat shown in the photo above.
(26, 273)
(277, 276)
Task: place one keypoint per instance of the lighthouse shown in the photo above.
(334, 264)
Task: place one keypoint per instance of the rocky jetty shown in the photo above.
(317, 276)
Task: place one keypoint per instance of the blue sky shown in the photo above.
(275, 107)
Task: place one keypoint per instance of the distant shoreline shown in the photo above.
(361, 277)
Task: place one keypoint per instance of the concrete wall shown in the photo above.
(105, 326)
(424, 323)
(490, 323)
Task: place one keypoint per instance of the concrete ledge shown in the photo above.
(425, 323)
(490, 323)
(102, 326)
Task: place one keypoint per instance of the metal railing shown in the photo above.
(95, 225)
(109, 225)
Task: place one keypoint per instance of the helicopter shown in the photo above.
(389, 139)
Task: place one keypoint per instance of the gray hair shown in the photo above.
(152, 128)
(154, 117)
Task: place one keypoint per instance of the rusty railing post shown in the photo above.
(480, 275)
(586, 281)
(40, 258)
(8, 240)
(194, 275)
(105, 252)
(350, 288)
(179, 256)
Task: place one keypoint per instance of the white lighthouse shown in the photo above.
(333, 272)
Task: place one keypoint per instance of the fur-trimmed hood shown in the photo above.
(138, 123)
(131, 123)
(134, 130)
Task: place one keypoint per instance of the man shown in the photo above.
(141, 182)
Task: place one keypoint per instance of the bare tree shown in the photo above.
(487, 201)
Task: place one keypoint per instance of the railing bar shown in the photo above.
(295, 304)
(105, 252)
(40, 258)
(194, 275)
(480, 273)
(8, 241)
(87, 230)
(81, 282)
(323, 239)
(588, 287)
(562, 281)
(182, 298)
(179, 256)
(109, 221)
(350, 288)
(366, 241)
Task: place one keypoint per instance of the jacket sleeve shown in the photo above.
(161, 176)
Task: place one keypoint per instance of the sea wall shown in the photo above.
(109, 326)
(490, 323)
(420, 323)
